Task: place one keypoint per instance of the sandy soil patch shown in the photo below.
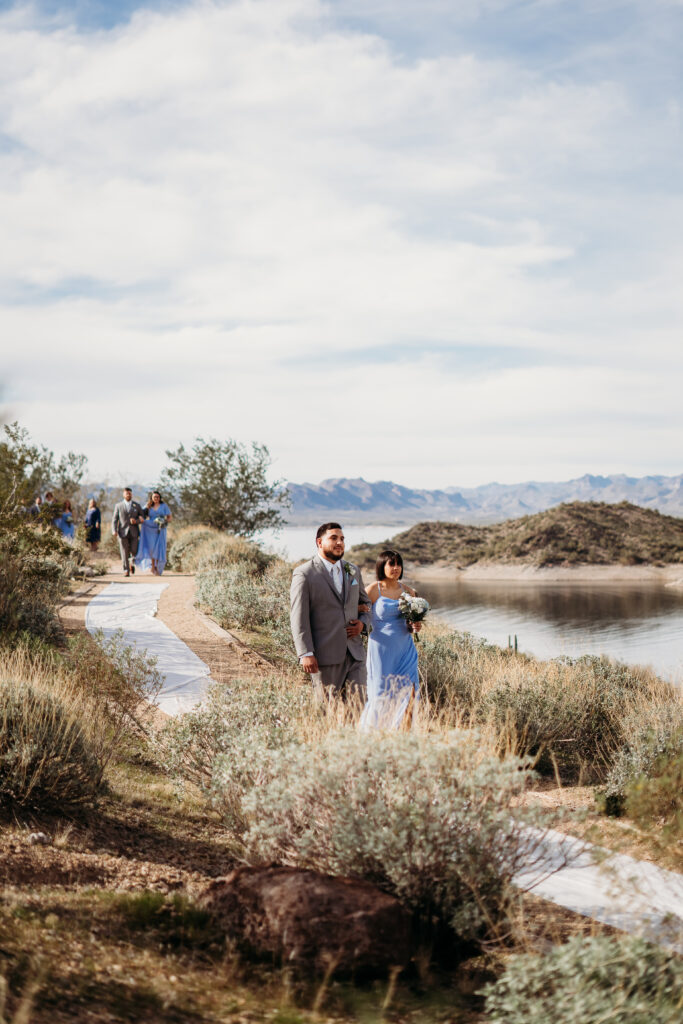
(667, 575)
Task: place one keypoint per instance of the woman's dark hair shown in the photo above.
(387, 557)
(152, 493)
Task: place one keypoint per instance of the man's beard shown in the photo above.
(332, 556)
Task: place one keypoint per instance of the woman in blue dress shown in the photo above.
(65, 522)
(152, 546)
(93, 524)
(392, 656)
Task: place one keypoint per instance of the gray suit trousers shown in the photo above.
(346, 681)
(128, 546)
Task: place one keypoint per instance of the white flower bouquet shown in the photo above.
(413, 609)
(161, 522)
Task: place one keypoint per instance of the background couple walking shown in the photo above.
(141, 532)
(330, 612)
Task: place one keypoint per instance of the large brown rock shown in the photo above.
(311, 920)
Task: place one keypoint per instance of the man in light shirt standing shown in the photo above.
(326, 623)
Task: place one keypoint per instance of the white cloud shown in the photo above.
(214, 212)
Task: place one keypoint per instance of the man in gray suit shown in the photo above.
(326, 623)
(125, 524)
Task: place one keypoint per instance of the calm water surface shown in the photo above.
(638, 625)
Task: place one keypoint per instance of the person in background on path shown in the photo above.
(49, 498)
(393, 681)
(125, 525)
(37, 506)
(152, 550)
(326, 622)
(93, 523)
(65, 522)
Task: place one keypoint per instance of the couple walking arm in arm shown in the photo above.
(326, 621)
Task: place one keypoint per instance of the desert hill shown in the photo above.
(578, 533)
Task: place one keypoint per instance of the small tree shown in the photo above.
(223, 484)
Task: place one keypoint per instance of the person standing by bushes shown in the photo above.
(152, 550)
(125, 525)
(65, 522)
(93, 523)
(325, 619)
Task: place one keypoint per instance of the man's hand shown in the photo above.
(354, 628)
(310, 664)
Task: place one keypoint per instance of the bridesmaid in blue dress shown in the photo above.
(392, 656)
(152, 547)
(65, 522)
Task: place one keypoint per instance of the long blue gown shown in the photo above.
(65, 523)
(152, 543)
(392, 667)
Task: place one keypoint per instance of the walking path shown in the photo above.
(631, 895)
(133, 609)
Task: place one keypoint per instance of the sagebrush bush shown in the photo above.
(655, 800)
(572, 714)
(198, 548)
(590, 981)
(235, 596)
(223, 746)
(650, 736)
(46, 759)
(426, 818)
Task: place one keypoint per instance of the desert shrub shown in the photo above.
(124, 679)
(655, 799)
(572, 714)
(46, 760)
(454, 667)
(223, 745)
(185, 543)
(235, 596)
(589, 981)
(425, 818)
(199, 548)
(650, 737)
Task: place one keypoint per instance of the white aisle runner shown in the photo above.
(633, 895)
(132, 609)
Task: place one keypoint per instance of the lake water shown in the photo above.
(636, 624)
(639, 625)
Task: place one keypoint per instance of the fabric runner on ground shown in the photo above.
(131, 608)
(631, 895)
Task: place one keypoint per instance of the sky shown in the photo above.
(431, 241)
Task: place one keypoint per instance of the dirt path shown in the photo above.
(225, 655)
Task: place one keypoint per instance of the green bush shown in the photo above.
(648, 742)
(223, 745)
(199, 548)
(572, 714)
(590, 981)
(235, 596)
(425, 818)
(46, 760)
(656, 799)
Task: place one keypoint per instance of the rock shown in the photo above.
(311, 920)
(38, 839)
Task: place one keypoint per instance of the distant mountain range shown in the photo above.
(357, 500)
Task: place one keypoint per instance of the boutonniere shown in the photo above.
(349, 569)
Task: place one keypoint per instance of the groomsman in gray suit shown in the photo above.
(326, 623)
(125, 525)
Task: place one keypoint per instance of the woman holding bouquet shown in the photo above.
(152, 548)
(65, 522)
(393, 681)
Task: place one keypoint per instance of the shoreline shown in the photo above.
(665, 575)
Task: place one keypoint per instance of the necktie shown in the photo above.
(337, 577)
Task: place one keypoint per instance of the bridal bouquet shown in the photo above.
(413, 609)
(160, 522)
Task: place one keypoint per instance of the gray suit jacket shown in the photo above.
(319, 615)
(121, 520)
